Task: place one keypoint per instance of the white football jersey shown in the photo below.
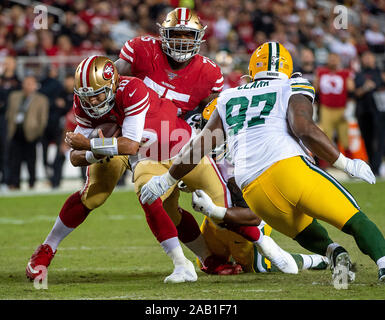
(254, 117)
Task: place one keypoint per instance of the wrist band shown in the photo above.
(104, 146)
(341, 162)
(218, 212)
(170, 179)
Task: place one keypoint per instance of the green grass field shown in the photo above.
(114, 255)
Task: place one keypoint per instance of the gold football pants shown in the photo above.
(102, 179)
(228, 244)
(204, 176)
(333, 120)
(293, 191)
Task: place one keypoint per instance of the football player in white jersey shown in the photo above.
(223, 242)
(269, 127)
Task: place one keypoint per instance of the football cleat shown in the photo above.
(278, 257)
(319, 262)
(182, 273)
(41, 258)
(212, 262)
(381, 275)
(228, 269)
(220, 266)
(340, 263)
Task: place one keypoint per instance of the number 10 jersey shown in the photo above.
(254, 117)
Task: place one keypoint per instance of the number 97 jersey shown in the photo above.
(254, 117)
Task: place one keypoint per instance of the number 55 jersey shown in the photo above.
(254, 117)
(186, 87)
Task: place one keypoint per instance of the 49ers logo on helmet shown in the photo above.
(108, 71)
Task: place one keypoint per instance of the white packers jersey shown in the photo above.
(254, 117)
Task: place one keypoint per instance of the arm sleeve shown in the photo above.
(84, 131)
(136, 99)
(302, 86)
(132, 127)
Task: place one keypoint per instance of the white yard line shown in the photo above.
(40, 218)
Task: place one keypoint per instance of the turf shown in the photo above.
(113, 255)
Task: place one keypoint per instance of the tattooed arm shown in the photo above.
(300, 119)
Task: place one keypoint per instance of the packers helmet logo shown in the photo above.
(108, 71)
(274, 60)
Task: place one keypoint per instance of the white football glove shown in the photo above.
(156, 187)
(201, 202)
(355, 168)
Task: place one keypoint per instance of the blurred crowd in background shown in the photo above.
(37, 64)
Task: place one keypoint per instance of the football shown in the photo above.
(109, 129)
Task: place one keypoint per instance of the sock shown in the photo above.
(199, 247)
(57, 234)
(188, 228)
(307, 261)
(381, 263)
(314, 238)
(174, 250)
(250, 233)
(73, 212)
(368, 237)
(159, 222)
(190, 234)
(298, 258)
(331, 247)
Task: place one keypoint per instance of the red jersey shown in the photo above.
(164, 127)
(233, 79)
(333, 92)
(186, 87)
(70, 121)
(137, 112)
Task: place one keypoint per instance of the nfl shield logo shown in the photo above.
(172, 76)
